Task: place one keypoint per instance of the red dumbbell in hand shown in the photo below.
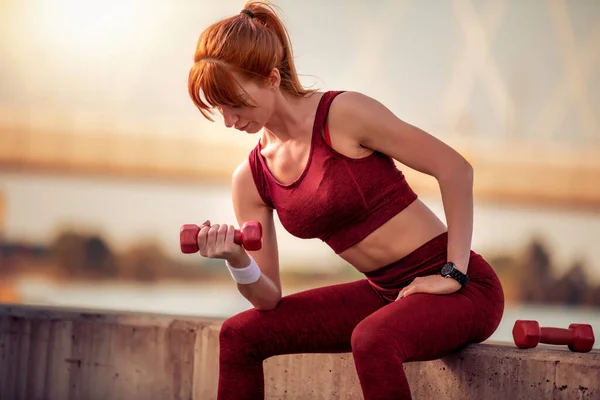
(250, 237)
(528, 334)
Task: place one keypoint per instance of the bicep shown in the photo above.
(248, 206)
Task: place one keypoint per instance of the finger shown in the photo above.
(413, 290)
(212, 237)
(202, 238)
(221, 236)
(408, 290)
(206, 223)
(230, 234)
(402, 291)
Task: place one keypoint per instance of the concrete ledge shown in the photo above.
(49, 353)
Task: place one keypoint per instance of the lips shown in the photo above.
(243, 127)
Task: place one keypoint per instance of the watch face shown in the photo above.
(446, 269)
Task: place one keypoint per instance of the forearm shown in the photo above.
(262, 294)
(457, 197)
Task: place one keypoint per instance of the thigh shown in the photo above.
(314, 321)
(422, 327)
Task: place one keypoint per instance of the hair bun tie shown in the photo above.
(248, 13)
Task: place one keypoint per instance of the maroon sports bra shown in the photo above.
(337, 199)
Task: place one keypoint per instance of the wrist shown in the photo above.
(450, 271)
(239, 261)
(455, 284)
(246, 274)
(461, 263)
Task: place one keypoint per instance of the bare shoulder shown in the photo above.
(367, 121)
(243, 185)
(242, 172)
(350, 98)
(348, 103)
(351, 112)
(348, 108)
(243, 181)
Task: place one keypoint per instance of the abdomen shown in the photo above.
(398, 237)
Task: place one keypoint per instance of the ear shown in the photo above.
(274, 79)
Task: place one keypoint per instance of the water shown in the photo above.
(223, 300)
(124, 212)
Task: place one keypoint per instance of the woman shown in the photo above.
(324, 162)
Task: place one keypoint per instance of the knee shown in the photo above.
(237, 332)
(371, 341)
(368, 339)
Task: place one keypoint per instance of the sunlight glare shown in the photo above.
(86, 25)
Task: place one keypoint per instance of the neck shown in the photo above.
(290, 115)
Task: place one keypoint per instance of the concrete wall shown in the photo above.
(57, 354)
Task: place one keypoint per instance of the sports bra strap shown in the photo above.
(323, 112)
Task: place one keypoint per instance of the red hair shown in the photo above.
(250, 45)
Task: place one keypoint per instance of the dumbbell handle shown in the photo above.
(558, 336)
(238, 236)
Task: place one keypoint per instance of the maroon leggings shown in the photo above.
(362, 317)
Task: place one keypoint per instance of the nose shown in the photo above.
(229, 117)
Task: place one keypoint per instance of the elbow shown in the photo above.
(268, 305)
(467, 172)
(460, 172)
(464, 167)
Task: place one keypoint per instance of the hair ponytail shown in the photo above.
(251, 43)
(266, 14)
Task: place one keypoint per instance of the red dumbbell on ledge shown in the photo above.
(250, 237)
(578, 337)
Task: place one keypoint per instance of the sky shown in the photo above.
(494, 70)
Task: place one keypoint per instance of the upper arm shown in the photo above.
(248, 206)
(374, 126)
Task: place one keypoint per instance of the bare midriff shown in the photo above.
(401, 235)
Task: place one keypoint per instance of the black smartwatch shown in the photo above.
(449, 270)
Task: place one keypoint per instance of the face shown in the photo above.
(262, 94)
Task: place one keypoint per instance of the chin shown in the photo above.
(254, 130)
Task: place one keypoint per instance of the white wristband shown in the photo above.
(246, 275)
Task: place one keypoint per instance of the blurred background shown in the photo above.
(103, 156)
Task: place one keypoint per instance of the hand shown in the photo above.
(216, 241)
(432, 284)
